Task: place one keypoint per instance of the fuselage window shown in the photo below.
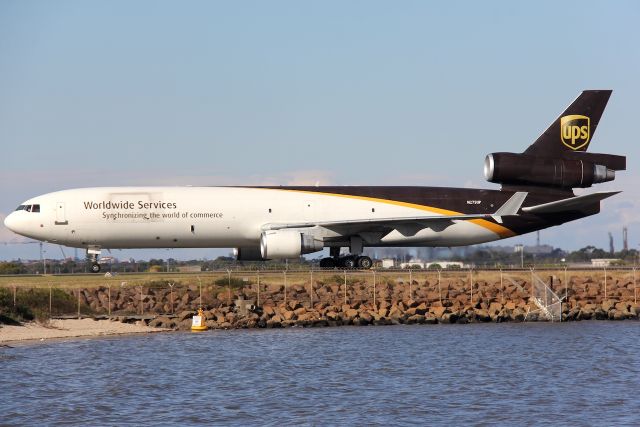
(27, 208)
(20, 208)
(35, 208)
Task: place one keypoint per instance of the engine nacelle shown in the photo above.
(522, 169)
(247, 254)
(276, 244)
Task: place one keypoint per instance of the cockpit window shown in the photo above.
(28, 208)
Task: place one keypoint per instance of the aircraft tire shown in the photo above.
(348, 262)
(95, 267)
(364, 262)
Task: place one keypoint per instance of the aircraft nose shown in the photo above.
(10, 222)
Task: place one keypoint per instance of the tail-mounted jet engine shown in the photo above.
(523, 169)
(276, 244)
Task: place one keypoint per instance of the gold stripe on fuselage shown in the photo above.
(493, 227)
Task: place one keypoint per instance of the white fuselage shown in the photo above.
(214, 217)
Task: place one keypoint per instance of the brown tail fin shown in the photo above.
(573, 130)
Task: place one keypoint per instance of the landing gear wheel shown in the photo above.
(364, 262)
(348, 262)
(327, 263)
(95, 267)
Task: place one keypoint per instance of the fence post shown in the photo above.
(635, 294)
(229, 288)
(285, 287)
(410, 284)
(141, 302)
(50, 298)
(501, 288)
(200, 285)
(374, 289)
(258, 300)
(566, 284)
(345, 286)
(109, 299)
(471, 283)
(605, 283)
(78, 303)
(310, 288)
(171, 285)
(15, 290)
(439, 287)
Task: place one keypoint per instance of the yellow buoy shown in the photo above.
(197, 323)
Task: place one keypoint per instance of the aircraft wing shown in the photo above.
(572, 204)
(406, 225)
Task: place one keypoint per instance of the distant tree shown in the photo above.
(586, 254)
(12, 268)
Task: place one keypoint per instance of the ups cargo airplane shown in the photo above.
(285, 222)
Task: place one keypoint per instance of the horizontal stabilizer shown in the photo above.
(572, 204)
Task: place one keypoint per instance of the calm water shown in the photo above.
(584, 372)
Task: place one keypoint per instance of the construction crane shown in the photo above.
(611, 248)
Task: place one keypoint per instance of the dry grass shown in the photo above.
(277, 278)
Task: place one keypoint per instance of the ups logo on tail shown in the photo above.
(575, 131)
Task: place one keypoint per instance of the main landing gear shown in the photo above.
(93, 254)
(347, 261)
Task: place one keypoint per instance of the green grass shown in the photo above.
(33, 304)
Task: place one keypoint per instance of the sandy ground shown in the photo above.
(70, 328)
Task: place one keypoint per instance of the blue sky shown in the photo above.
(359, 92)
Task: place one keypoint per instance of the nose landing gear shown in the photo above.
(93, 253)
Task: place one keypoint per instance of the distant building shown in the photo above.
(388, 263)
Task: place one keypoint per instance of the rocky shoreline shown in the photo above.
(364, 303)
